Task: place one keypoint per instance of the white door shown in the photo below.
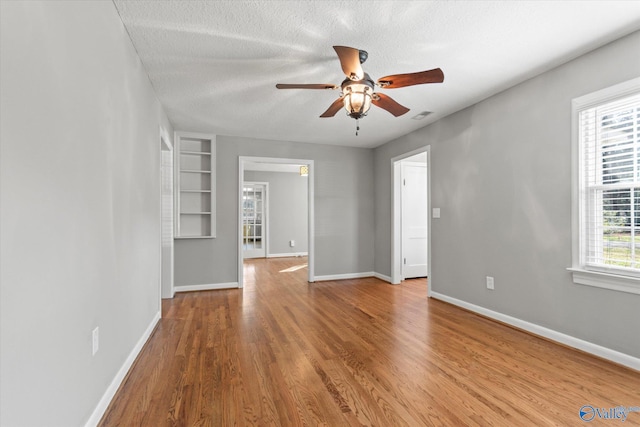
(414, 220)
(254, 221)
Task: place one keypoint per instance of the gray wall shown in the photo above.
(80, 223)
(288, 210)
(344, 220)
(501, 174)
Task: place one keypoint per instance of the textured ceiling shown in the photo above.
(215, 64)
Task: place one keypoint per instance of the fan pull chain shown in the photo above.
(357, 126)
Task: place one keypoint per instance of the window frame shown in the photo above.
(602, 277)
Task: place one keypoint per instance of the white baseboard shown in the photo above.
(286, 255)
(383, 277)
(207, 287)
(98, 412)
(353, 276)
(568, 340)
(344, 276)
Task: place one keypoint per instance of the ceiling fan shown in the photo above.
(357, 93)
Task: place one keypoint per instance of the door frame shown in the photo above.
(265, 215)
(310, 204)
(396, 216)
(167, 290)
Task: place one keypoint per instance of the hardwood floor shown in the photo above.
(282, 352)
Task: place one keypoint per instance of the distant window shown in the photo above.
(607, 132)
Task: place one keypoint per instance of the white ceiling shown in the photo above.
(214, 64)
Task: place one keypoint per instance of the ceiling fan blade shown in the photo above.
(334, 108)
(401, 80)
(306, 86)
(350, 62)
(386, 103)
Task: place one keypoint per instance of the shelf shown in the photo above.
(194, 171)
(196, 143)
(196, 153)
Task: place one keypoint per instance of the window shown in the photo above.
(607, 136)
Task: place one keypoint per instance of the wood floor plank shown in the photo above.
(283, 352)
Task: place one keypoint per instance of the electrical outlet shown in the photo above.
(292, 243)
(490, 283)
(95, 340)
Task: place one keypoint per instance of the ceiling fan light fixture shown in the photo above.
(357, 97)
(357, 100)
(357, 94)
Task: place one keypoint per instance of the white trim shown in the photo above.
(383, 277)
(611, 281)
(616, 281)
(577, 343)
(311, 239)
(100, 409)
(206, 287)
(345, 276)
(348, 276)
(272, 167)
(396, 231)
(166, 137)
(310, 203)
(290, 254)
(165, 141)
(609, 93)
(240, 225)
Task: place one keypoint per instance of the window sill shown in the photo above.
(615, 282)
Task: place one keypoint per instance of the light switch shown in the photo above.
(436, 212)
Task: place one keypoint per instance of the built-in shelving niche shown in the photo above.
(195, 185)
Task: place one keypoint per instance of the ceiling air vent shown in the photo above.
(421, 115)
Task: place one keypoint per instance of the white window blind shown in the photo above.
(609, 144)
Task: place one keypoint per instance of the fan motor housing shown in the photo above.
(363, 55)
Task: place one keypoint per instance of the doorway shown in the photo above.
(411, 223)
(254, 219)
(413, 195)
(263, 164)
(166, 213)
